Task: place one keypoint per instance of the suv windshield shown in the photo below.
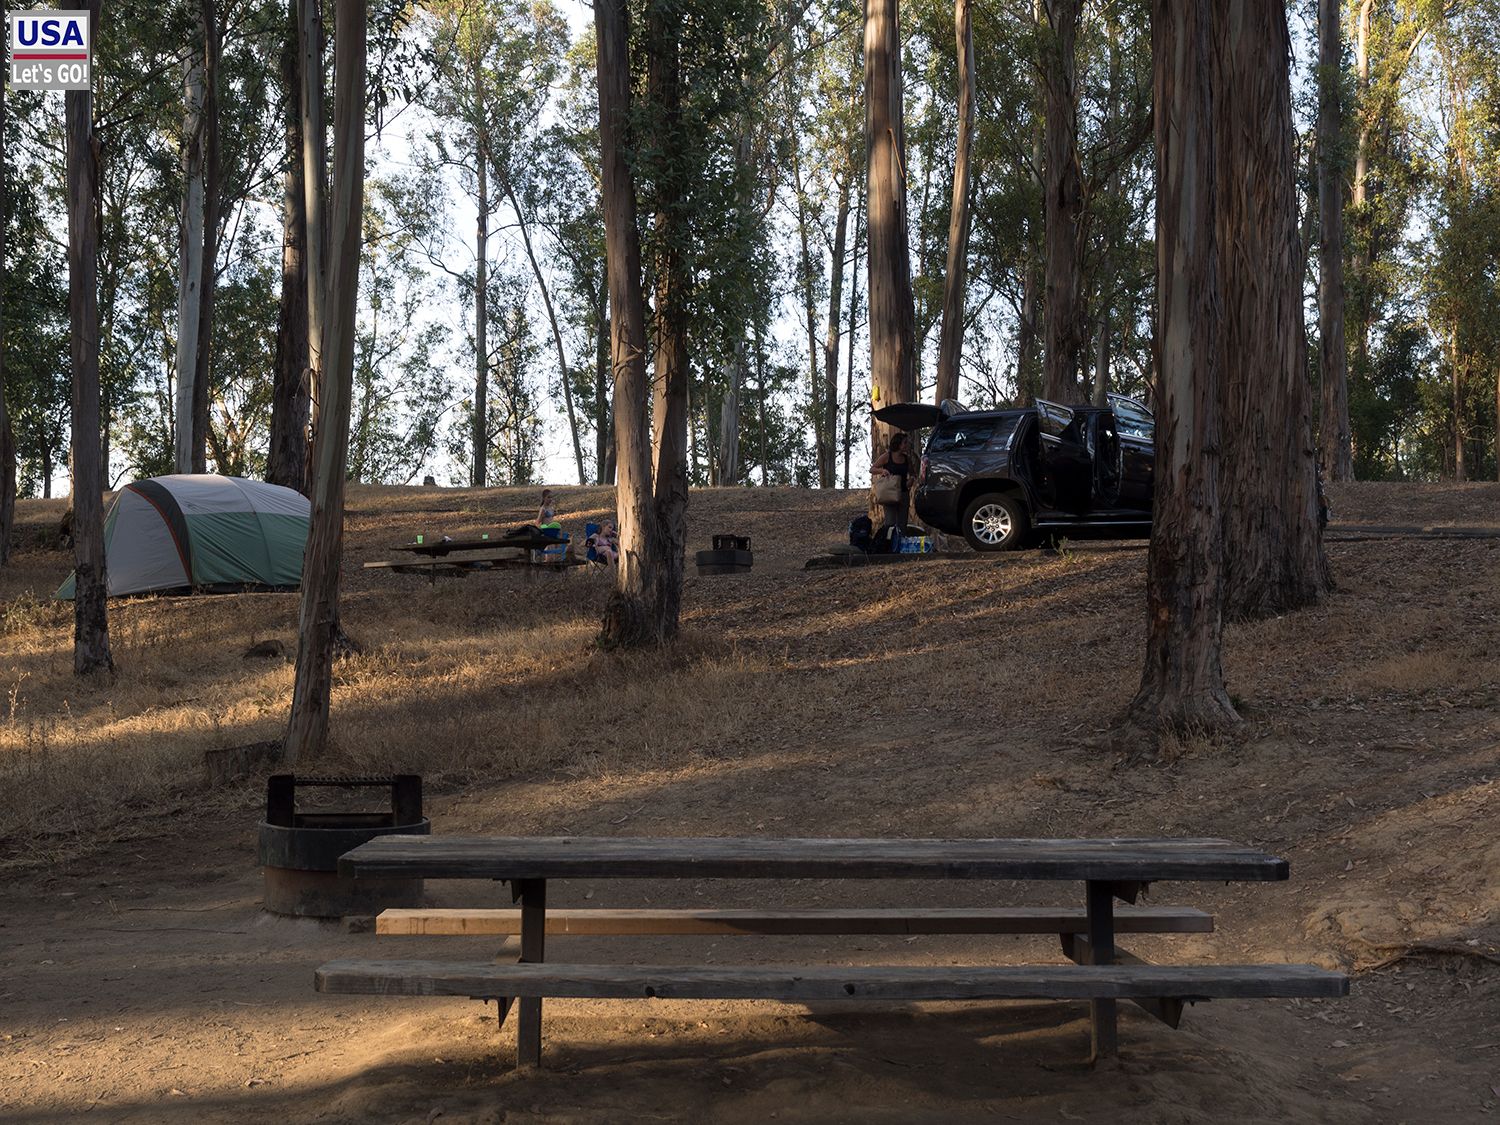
(971, 433)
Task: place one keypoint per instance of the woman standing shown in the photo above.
(895, 462)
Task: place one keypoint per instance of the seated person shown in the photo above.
(546, 515)
(605, 543)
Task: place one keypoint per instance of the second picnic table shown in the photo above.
(1109, 869)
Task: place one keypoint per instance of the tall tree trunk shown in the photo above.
(951, 335)
(1065, 230)
(1182, 683)
(828, 443)
(286, 460)
(760, 384)
(809, 319)
(212, 194)
(1335, 443)
(892, 319)
(318, 621)
(7, 432)
(627, 616)
(190, 250)
(479, 468)
(728, 467)
(1460, 459)
(310, 46)
(1364, 228)
(673, 292)
(1273, 551)
(859, 230)
(1102, 357)
(1028, 328)
(604, 438)
(90, 619)
(557, 340)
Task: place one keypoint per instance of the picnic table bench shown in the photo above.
(457, 557)
(1103, 973)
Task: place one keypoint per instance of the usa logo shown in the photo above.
(49, 50)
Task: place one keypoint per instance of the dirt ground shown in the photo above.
(967, 696)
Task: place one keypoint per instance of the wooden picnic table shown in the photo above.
(1109, 869)
(437, 548)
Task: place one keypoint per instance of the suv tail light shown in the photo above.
(922, 475)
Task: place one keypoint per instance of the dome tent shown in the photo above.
(192, 533)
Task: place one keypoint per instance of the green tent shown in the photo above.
(190, 534)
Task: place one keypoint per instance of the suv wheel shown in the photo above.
(995, 522)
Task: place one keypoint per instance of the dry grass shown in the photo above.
(974, 696)
(496, 675)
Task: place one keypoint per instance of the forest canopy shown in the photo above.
(481, 351)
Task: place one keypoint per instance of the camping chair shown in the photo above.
(552, 554)
(589, 531)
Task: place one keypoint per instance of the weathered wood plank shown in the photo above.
(1167, 1009)
(1002, 920)
(1138, 860)
(532, 895)
(828, 982)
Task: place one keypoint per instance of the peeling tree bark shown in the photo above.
(627, 616)
(1334, 430)
(892, 319)
(315, 199)
(190, 250)
(90, 618)
(828, 443)
(1273, 552)
(203, 355)
(318, 621)
(479, 463)
(286, 460)
(672, 368)
(1182, 683)
(951, 335)
(1063, 313)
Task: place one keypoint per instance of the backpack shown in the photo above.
(861, 531)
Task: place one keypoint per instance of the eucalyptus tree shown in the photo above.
(318, 615)
(571, 216)
(1462, 282)
(400, 389)
(892, 311)
(955, 277)
(1333, 358)
(494, 65)
(1182, 682)
(90, 618)
(1273, 553)
(291, 398)
(669, 152)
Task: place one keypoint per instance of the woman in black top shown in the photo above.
(896, 461)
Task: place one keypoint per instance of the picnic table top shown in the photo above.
(444, 546)
(556, 857)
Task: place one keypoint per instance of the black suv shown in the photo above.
(997, 476)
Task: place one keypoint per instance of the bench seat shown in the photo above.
(596, 921)
(486, 981)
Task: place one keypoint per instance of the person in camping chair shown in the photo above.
(605, 543)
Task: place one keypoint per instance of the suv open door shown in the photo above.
(1136, 427)
(1065, 468)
